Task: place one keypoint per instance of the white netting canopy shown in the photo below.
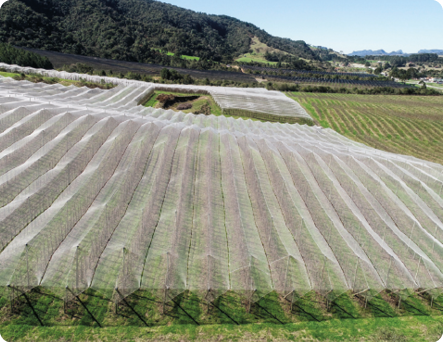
(100, 193)
(130, 92)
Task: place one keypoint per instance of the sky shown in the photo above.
(343, 25)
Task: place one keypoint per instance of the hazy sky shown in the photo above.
(342, 25)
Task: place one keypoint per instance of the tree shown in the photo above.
(165, 74)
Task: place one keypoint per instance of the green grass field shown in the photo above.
(191, 58)
(259, 50)
(7, 74)
(411, 125)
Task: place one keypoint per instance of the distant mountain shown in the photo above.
(438, 52)
(133, 30)
(381, 52)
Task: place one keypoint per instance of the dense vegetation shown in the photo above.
(134, 30)
(409, 125)
(12, 55)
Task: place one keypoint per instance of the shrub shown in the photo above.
(184, 106)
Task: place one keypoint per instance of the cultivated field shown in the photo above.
(411, 125)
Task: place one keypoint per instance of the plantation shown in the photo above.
(120, 216)
(410, 125)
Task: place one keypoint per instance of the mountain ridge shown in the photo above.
(131, 29)
(381, 52)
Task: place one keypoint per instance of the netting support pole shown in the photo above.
(418, 269)
(76, 267)
(164, 300)
(27, 265)
(389, 270)
(292, 300)
(250, 301)
(207, 300)
(12, 298)
(410, 235)
(166, 284)
(435, 237)
(355, 274)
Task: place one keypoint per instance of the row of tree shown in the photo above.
(12, 55)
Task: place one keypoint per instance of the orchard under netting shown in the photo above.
(99, 193)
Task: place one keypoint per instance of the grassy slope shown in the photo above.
(258, 53)
(411, 125)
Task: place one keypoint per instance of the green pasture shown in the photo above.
(248, 58)
(191, 58)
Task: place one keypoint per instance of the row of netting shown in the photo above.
(253, 100)
(306, 72)
(90, 100)
(120, 204)
(332, 81)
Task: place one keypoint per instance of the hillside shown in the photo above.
(131, 30)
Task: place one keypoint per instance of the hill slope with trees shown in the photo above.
(133, 30)
(12, 55)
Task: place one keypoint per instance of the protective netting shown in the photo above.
(100, 193)
(129, 93)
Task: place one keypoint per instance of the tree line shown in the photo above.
(12, 55)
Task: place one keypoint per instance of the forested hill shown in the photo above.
(131, 30)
